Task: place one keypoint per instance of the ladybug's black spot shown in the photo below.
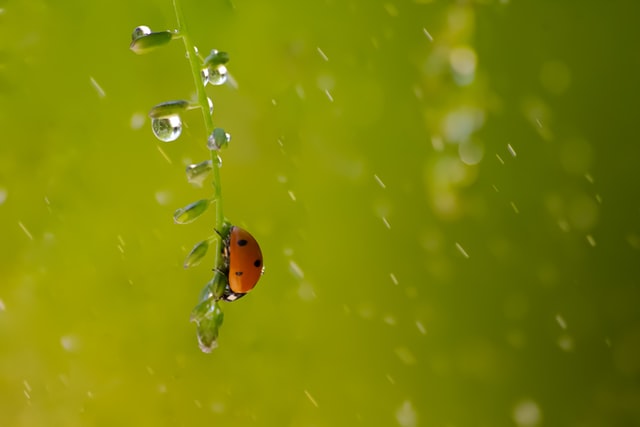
(238, 273)
(257, 263)
(242, 242)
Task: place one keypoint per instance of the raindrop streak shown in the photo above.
(3, 195)
(591, 240)
(379, 181)
(426, 33)
(97, 87)
(198, 173)
(462, 251)
(296, 270)
(386, 223)
(293, 196)
(311, 399)
(405, 355)
(167, 129)
(499, 158)
(2, 306)
(561, 321)
(29, 235)
(328, 95)
(515, 208)
(166, 157)
(421, 327)
(511, 150)
(394, 279)
(322, 54)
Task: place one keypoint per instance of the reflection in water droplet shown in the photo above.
(197, 173)
(140, 31)
(218, 74)
(167, 129)
(218, 139)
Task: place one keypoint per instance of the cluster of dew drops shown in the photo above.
(166, 120)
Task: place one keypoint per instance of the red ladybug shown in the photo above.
(243, 263)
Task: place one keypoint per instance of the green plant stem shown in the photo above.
(196, 69)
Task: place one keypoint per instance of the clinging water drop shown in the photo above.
(167, 129)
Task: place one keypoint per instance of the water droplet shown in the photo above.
(140, 31)
(218, 139)
(526, 413)
(197, 173)
(218, 74)
(167, 129)
(406, 415)
(208, 321)
(69, 342)
(137, 121)
(204, 73)
(197, 254)
(191, 212)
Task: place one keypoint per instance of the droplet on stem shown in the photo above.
(218, 75)
(218, 139)
(197, 173)
(208, 318)
(140, 31)
(167, 128)
(216, 71)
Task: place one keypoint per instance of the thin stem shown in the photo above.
(196, 69)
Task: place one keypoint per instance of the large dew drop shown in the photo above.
(167, 129)
(218, 75)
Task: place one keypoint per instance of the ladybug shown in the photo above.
(243, 263)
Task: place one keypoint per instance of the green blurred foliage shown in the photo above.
(445, 192)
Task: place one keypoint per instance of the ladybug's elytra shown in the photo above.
(243, 263)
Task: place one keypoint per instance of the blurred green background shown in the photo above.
(446, 194)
